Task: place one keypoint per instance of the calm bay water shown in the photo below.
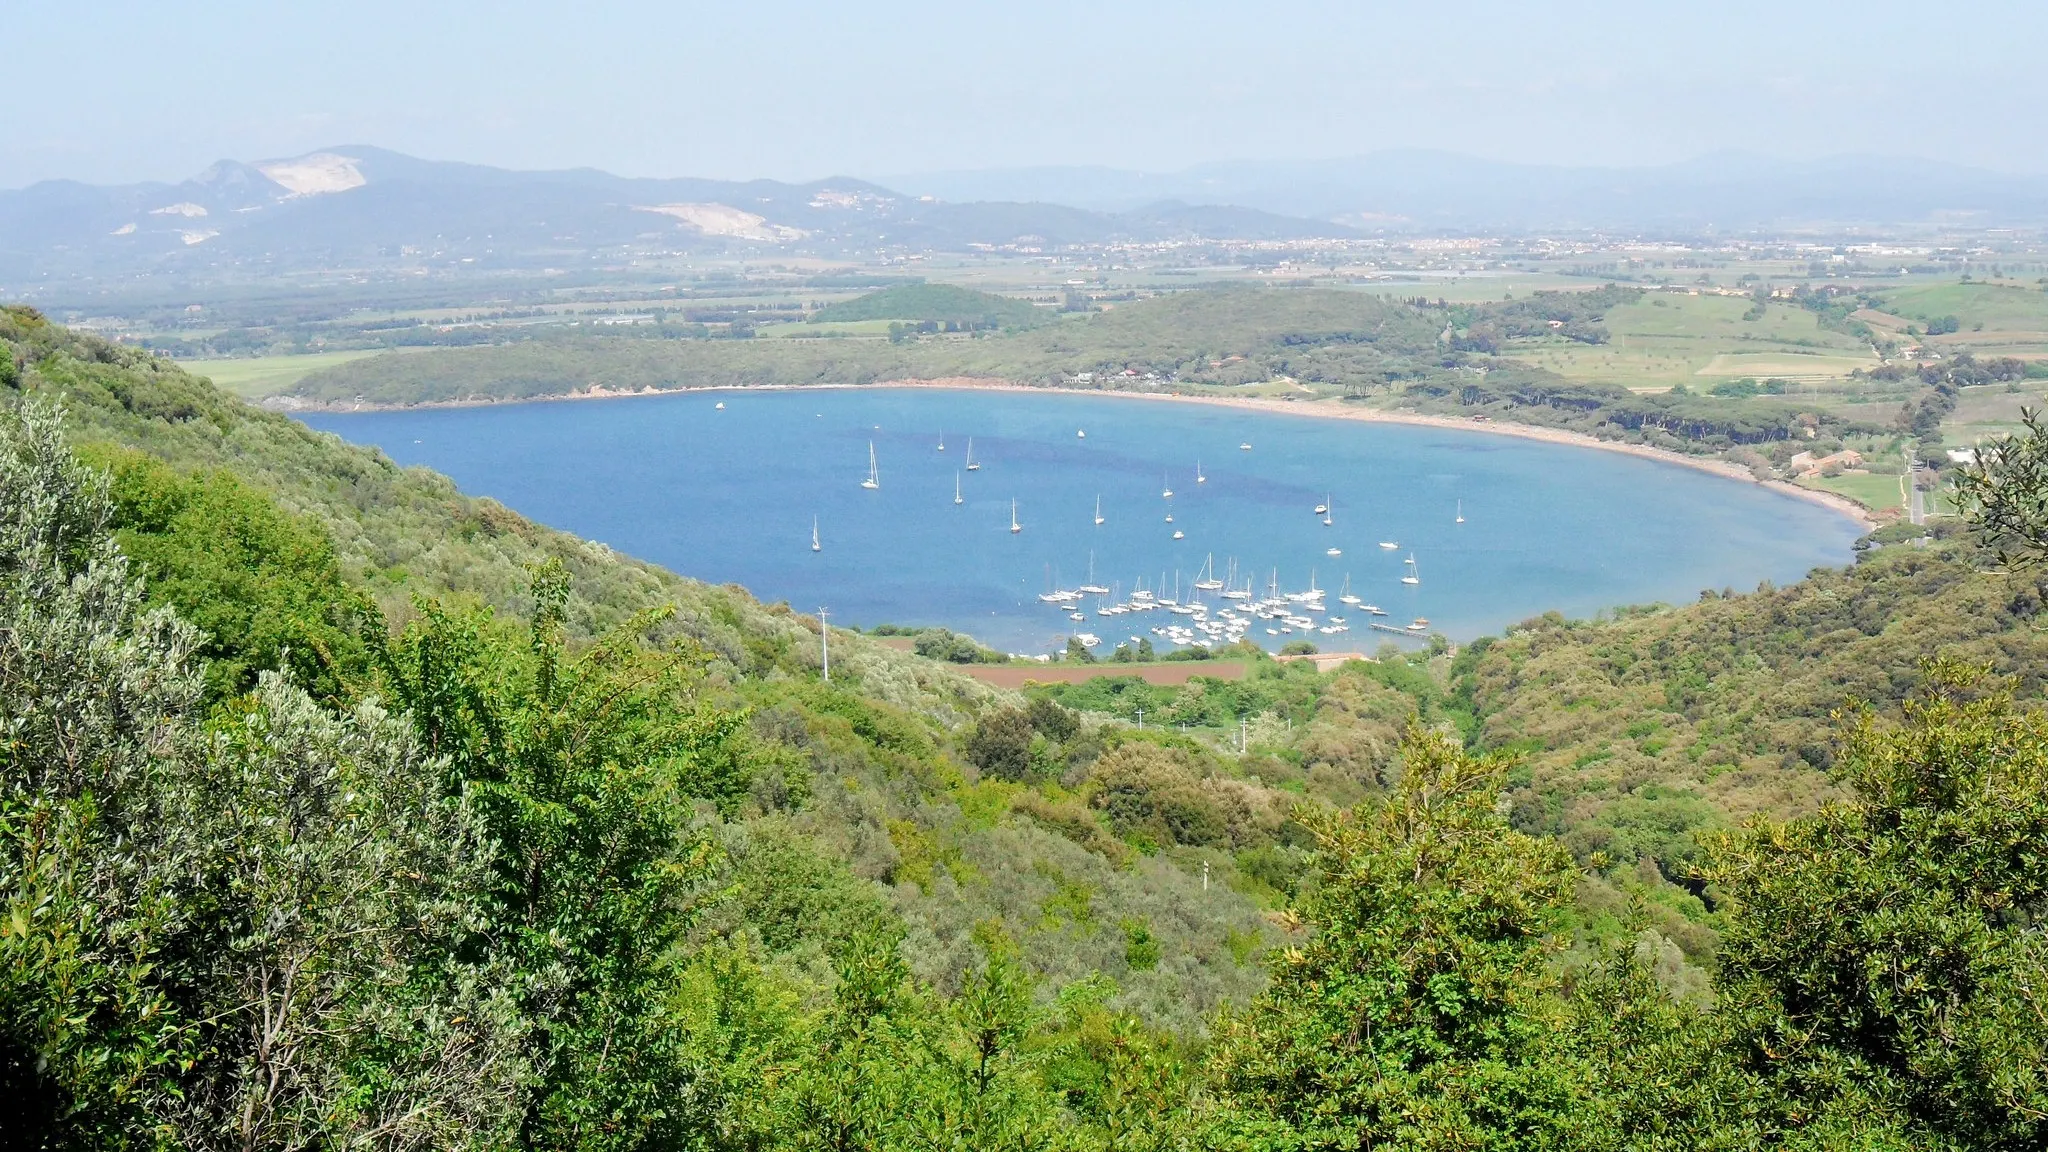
(729, 496)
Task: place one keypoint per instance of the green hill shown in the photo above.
(339, 808)
(948, 306)
(396, 535)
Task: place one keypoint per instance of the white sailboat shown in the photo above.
(1091, 587)
(1014, 526)
(1179, 535)
(1199, 478)
(1206, 578)
(1245, 447)
(971, 465)
(874, 479)
(1098, 508)
(1329, 511)
(1345, 597)
(1333, 550)
(942, 441)
(956, 488)
(1461, 513)
(815, 546)
(1167, 489)
(1323, 507)
(1389, 545)
(1412, 577)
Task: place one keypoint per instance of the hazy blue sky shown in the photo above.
(126, 91)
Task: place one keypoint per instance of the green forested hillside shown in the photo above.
(217, 501)
(1340, 347)
(957, 308)
(340, 809)
(1635, 731)
(1224, 336)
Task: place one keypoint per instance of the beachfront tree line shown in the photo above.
(469, 903)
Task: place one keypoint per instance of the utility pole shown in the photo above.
(1141, 719)
(825, 643)
(1240, 734)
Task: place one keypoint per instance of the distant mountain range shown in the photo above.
(359, 206)
(1428, 191)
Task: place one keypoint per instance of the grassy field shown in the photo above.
(1999, 307)
(1877, 491)
(255, 377)
(1983, 414)
(1799, 367)
(2003, 319)
(1668, 338)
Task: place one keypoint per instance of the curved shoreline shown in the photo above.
(1841, 505)
(1321, 410)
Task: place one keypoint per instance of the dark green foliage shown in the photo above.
(952, 647)
(258, 937)
(1886, 952)
(1155, 796)
(1001, 744)
(789, 896)
(264, 587)
(2005, 492)
(1745, 388)
(580, 768)
(1141, 950)
(1643, 732)
(1413, 1016)
(1053, 721)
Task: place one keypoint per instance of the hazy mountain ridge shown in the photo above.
(357, 205)
(1425, 189)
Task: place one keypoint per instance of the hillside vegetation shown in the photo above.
(340, 809)
(286, 540)
(1340, 347)
(947, 306)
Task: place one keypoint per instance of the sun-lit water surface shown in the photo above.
(730, 496)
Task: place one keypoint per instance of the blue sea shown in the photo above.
(730, 495)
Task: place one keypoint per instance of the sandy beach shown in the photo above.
(1317, 409)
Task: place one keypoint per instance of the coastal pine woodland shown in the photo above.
(341, 810)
